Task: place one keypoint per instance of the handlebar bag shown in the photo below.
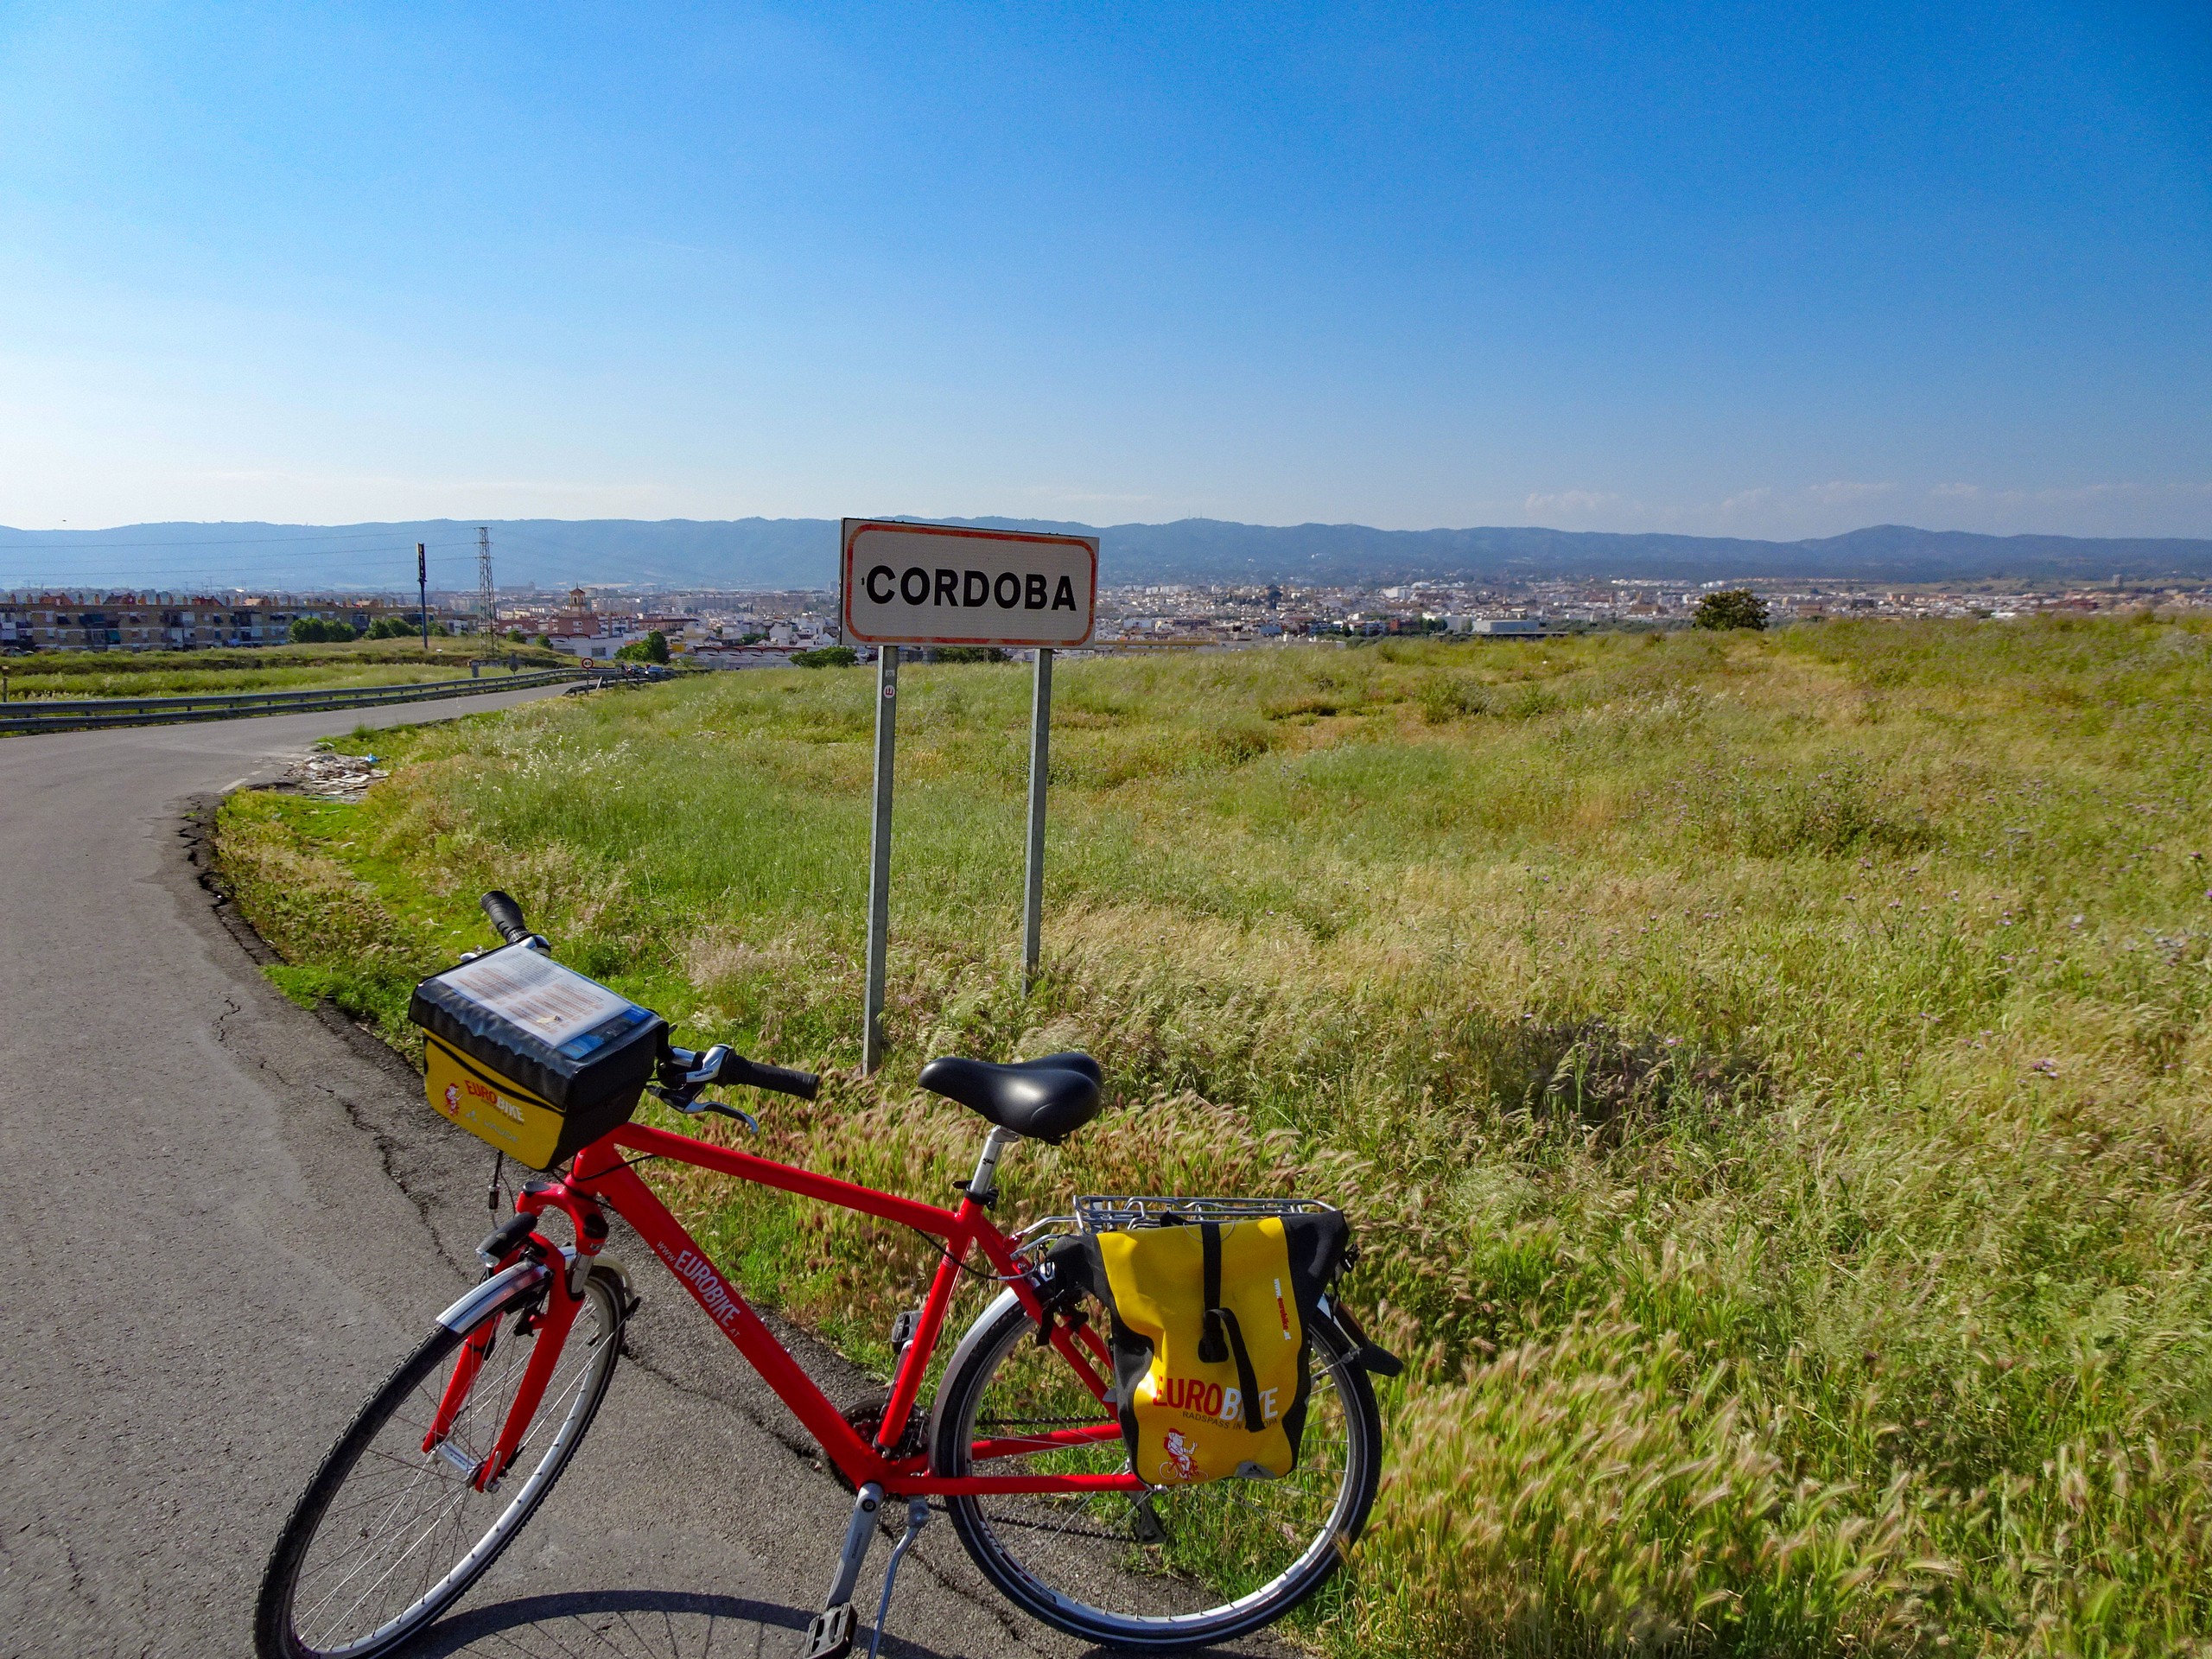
(530, 1056)
(1212, 1348)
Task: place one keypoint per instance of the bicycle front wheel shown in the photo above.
(389, 1534)
(1171, 1568)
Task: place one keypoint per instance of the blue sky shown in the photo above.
(1759, 270)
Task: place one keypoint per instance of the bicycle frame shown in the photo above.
(600, 1175)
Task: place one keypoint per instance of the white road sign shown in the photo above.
(947, 585)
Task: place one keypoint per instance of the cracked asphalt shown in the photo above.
(231, 1216)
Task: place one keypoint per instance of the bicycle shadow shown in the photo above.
(661, 1625)
(635, 1624)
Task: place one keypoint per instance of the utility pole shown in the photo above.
(488, 596)
(422, 592)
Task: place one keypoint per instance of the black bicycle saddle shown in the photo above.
(1046, 1099)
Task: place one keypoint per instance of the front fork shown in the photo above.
(550, 1325)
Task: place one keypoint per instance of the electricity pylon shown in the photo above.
(487, 598)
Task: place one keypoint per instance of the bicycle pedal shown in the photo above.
(830, 1633)
(902, 1332)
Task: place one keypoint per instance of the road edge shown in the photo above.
(676, 1353)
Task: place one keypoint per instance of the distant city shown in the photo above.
(737, 628)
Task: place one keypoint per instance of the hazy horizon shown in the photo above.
(760, 553)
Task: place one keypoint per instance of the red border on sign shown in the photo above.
(853, 529)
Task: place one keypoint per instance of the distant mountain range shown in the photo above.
(801, 553)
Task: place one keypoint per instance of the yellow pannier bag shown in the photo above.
(1210, 1340)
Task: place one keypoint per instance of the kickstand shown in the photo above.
(918, 1516)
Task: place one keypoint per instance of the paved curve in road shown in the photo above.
(229, 1217)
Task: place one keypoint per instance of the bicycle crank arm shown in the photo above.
(830, 1633)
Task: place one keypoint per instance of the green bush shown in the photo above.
(825, 656)
(653, 648)
(319, 631)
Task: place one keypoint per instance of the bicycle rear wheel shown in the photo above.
(1175, 1568)
(387, 1534)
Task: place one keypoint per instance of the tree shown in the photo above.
(653, 648)
(517, 637)
(1731, 607)
(826, 657)
(319, 631)
(405, 627)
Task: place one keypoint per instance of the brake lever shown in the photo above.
(699, 1108)
(699, 1076)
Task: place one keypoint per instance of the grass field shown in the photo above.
(275, 668)
(1769, 1073)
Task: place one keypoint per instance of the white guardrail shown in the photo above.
(90, 713)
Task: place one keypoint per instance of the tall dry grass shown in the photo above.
(1768, 1073)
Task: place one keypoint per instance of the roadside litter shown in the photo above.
(333, 777)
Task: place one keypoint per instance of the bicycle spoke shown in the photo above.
(405, 1530)
(400, 1560)
(1195, 1562)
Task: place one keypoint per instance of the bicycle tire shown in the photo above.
(422, 1485)
(1180, 1590)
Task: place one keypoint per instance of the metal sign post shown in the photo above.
(879, 853)
(1040, 765)
(911, 584)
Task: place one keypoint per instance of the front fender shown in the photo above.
(501, 1287)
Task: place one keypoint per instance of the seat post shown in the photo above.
(984, 1187)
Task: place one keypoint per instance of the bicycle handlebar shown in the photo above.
(506, 916)
(782, 1079)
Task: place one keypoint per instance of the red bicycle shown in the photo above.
(1022, 1444)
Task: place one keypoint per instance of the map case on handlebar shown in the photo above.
(530, 1056)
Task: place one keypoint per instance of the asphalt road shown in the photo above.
(231, 1217)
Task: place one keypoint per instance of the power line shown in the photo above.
(209, 582)
(239, 540)
(60, 558)
(247, 552)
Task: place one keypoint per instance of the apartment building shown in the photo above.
(85, 620)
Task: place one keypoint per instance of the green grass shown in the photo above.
(49, 674)
(1769, 1073)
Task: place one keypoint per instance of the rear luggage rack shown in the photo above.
(1118, 1212)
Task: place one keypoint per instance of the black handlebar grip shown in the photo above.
(506, 916)
(780, 1078)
